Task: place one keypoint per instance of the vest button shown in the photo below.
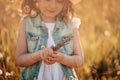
(71, 78)
(33, 38)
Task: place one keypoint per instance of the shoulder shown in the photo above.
(26, 19)
(22, 23)
(23, 18)
(76, 22)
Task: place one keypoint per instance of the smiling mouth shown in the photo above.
(51, 11)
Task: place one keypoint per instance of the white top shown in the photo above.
(53, 71)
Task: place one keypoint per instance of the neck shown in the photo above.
(48, 19)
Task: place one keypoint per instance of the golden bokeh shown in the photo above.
(99, 35)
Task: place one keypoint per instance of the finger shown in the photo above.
(55, 59)
(46, 61)
(55, 52)
(49, 60)
(46, 52)
(53, 56)
(42, 56)
(51, 50)
(53, 47)
(52, 62)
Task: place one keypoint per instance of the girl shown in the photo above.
(45, 24)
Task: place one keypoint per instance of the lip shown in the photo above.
(51, 11)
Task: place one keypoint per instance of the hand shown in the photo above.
(58, 56)
(48, 56)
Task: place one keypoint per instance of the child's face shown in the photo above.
(50, 8)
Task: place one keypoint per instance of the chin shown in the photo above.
(51, 16)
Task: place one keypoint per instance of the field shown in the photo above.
(99, 35)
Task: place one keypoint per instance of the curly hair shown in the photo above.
(65, 15)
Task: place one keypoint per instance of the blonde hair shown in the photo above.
(65, 15)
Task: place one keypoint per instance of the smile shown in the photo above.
(51, 11)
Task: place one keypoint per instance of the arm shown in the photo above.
(76, 60)
(22, 56)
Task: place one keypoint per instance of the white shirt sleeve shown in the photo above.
(76, 22)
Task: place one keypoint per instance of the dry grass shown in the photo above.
(99, 33)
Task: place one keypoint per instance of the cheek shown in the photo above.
(60, 8)
(41, 8)
(41, 5)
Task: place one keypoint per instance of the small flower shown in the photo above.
(7, 7)
(1, 72)
(8, 59)
(13, 15)
(33, 13)
(118, 72)
(1, 55)
(12, 72)
(107, 33)
(7, 74)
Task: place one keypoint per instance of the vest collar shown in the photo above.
(37, 22)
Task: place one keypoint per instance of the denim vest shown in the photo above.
(37, 35)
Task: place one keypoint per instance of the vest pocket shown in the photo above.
(32, 41)
(69, 48)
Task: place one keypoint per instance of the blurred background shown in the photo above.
(99, 34)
